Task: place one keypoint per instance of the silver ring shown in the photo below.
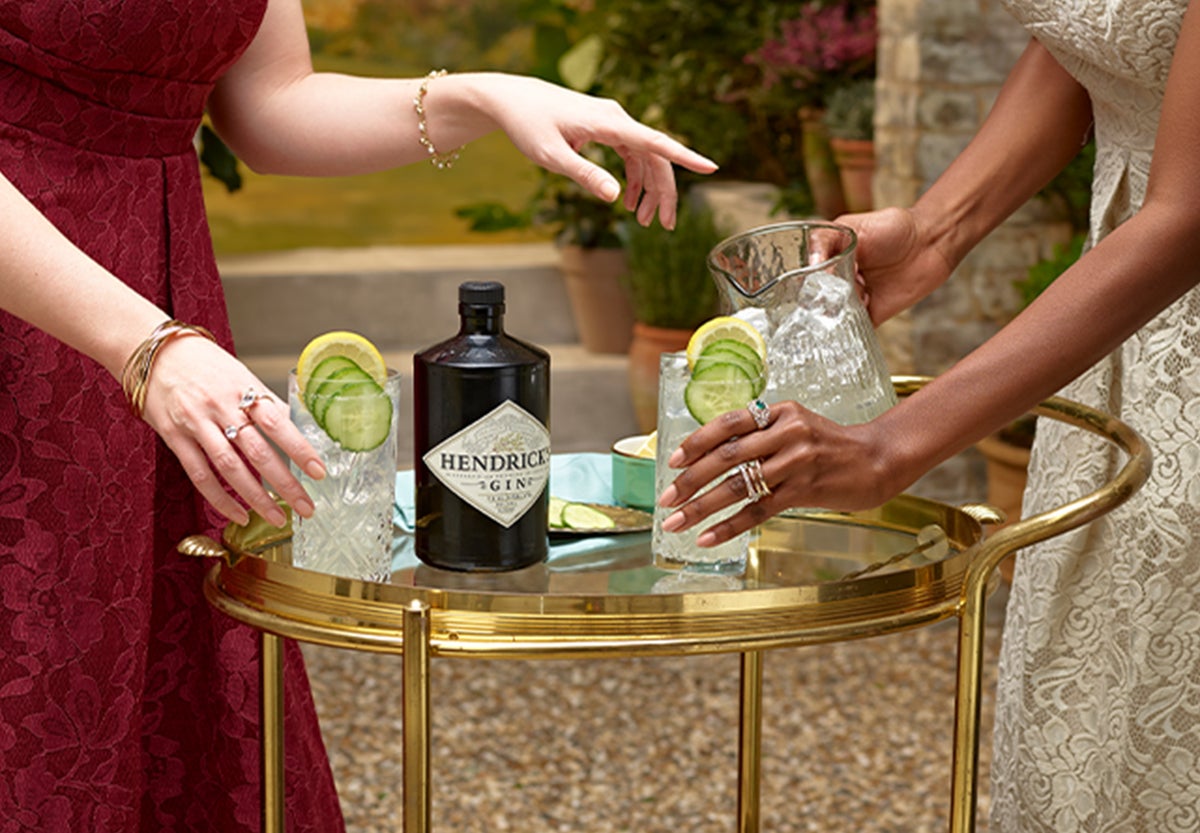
(756, 484)
(231, 431)
(761, 413)
(248, 399)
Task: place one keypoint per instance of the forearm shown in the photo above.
(50, 283)
(1038, 124)
(326, 124)
(1137, 271)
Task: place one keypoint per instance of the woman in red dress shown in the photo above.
(126, 703)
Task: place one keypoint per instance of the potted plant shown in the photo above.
(671, 292)
(828, 45)
(850, 120)
(592, 259)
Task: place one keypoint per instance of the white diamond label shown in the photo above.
(499, 464)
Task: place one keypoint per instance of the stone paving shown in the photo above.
(856, 737)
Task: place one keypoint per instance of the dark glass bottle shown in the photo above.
(481, 428)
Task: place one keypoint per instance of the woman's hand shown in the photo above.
(806, 459)
(896, 266)
(193, 396)
(550, 124)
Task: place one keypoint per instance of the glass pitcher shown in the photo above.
(794, 281)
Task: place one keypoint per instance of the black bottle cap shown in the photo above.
(481, 293)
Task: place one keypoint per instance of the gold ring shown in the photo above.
(251, 396)
(231, 431)
(756, 484)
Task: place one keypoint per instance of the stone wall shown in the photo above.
(941, 64)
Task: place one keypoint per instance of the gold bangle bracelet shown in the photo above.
(135, 376)
(441, 161)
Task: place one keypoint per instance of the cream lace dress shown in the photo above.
(1098, 710)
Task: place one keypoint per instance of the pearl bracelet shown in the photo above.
(441, 161)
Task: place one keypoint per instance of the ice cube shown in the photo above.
(757, 318)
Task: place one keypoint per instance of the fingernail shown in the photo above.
(304, 508)
(277, 518)
(668, 497)
(673, 522)
(315, 470)
(609, 191)
(706, 539)
(676, 459)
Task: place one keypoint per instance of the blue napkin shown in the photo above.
(582, 477)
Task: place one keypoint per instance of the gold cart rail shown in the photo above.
(811, 577)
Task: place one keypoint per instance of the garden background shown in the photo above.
(680, 65)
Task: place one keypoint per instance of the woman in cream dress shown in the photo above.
(1098, 714)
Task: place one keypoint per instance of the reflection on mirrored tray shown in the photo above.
(788, 554)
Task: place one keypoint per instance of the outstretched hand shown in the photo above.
(550, 124)
(194, 396)
(806, 460)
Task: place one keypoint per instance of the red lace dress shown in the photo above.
(126, 702)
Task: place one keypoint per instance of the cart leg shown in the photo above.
(967, 701)
(271, 667)
(750, 742)
(416, 718)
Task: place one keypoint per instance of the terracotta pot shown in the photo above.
(600, 305)
(820, 168)
(856, 168)
(1007, 465)
(649, 342)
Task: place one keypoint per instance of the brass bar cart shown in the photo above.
(812, 577)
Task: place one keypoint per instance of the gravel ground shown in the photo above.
(856, 737)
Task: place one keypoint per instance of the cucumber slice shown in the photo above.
(578, 516)
(729, 345)
(753, 368)
(557, 505)
(321, 373)
(716, 388)
(337, 382)
(359, 416)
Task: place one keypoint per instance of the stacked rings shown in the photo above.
(756, 485)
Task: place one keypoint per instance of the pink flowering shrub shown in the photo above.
(826, 47)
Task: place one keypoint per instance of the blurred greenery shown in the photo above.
(413, 205)
(668, 280)
(680, 65)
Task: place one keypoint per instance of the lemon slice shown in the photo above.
(721, 328)
(349, 345)
(649, 448)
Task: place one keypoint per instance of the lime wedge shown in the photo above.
(578, 516)
(716, 388)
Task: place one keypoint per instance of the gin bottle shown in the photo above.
(481, 429)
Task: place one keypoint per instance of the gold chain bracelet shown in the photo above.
(441, 161)
(135, 376)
